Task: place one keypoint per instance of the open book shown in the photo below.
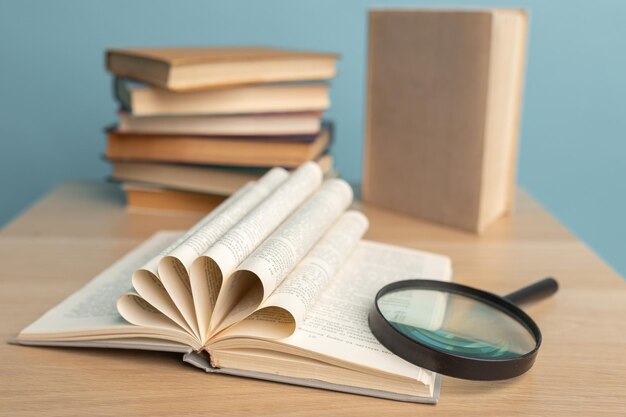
(275, 284)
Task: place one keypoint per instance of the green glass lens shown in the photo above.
(456, 324)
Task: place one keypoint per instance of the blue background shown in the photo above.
(55, 96)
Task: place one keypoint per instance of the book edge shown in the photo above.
(202, 362)
(271, 54)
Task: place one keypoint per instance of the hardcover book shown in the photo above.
(251, 151)
(269, 124)
(184, 69)
(142, 100)
(212, 179)
(275, 284)
(146, 197)
(443, 112)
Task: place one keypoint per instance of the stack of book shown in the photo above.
(196, 124)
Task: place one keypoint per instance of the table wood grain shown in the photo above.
(80, 228)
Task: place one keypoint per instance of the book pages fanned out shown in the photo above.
(276, 283)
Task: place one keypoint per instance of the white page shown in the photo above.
(139, 312)
(172, 268)
(236, 244)
(259, 274)
(285, 309)
(337, 323)
(239, 242)
(93, 307)
(151, 266)
(218, 222)
(299, 291)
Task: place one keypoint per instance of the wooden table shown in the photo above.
(81, 228)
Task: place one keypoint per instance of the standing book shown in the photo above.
(274, 284)
(443, 112)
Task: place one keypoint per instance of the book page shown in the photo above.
(152, 265)
(225, 216)
(337, 324)
(139, 312)
(150, 288)
(145, 280)
(173, 266)
(291, 300)
(92, 309)
(222, 258)
(259, 274)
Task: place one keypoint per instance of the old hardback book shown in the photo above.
(443, 113)
(212, 179)
(142, 100)
(183, 69)
(275, 284)
(258, 151)
(276, 124)
(150, 197)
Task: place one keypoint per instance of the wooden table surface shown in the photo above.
(81, 228)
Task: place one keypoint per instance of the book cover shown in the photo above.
(444, 94)
(193, 68)
(143, 100)
(252, 152)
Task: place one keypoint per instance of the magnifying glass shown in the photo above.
(459, 331)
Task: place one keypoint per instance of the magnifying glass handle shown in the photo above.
(533, 292)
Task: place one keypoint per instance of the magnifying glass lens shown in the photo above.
(456, 324)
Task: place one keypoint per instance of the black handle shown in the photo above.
(533, 292)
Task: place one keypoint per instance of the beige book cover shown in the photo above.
(444, 95)
(193, 68)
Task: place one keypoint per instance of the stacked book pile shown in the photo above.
(196, 124)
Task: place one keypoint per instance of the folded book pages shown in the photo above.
(276, 283)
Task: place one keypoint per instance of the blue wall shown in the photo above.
(55, 95)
